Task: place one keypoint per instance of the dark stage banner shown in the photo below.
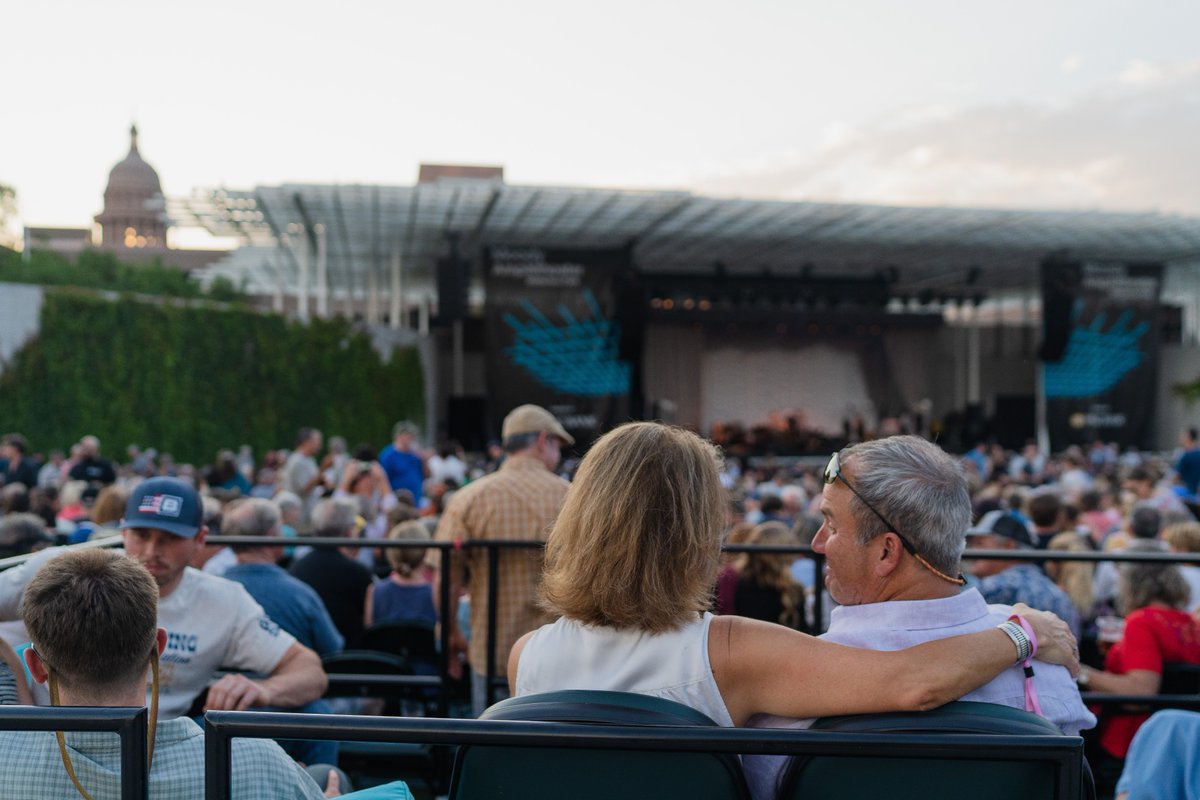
(554, 335)
(1101, 376)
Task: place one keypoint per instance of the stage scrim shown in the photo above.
(554, 337)
(1102, 351)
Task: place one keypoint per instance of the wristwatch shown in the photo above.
(1084, 677)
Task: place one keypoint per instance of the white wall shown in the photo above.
(20, 311)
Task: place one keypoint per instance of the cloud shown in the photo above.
(1072, 63)
(1128, 146)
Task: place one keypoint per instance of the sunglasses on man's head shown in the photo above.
(833, 473)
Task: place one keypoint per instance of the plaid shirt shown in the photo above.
(31, 767)
(519, 501)
(1028, 584)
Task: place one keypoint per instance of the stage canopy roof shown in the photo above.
(955, 252)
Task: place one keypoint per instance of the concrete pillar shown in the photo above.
(322, 272)
(302, 278)
(971, 320)
(372, 296)
(394, 295)
(277, 263)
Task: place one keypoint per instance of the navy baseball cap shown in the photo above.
(165, 504)
(1005, 525)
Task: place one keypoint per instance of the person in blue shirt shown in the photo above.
(289, 602)
(403, 462)
(1188, 465)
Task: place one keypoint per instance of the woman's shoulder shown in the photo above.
(1159, 617)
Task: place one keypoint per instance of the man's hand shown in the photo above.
(1056, 643)
(333, 784)
(236, 692)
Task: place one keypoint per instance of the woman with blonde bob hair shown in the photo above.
(630, 565)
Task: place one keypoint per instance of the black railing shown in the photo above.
(221, 727)
(127, 723)
(497, 680)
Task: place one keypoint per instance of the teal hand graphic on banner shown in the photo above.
(1096, 359)
(578, 356)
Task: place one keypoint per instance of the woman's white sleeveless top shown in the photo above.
(672, 665)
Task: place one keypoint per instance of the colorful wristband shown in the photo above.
(1031, 698)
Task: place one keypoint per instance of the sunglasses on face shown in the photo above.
(833, 473)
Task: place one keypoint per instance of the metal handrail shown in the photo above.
(127, 723)
(495, 678)
(221, 727)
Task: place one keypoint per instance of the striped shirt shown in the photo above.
(519, 501)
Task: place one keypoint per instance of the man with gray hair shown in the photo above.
(291, 603)
(341, 582)
(895, 513)
(287, 600)
(21, 534)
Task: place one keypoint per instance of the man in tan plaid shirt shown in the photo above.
(519, 501)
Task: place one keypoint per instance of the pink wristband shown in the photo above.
(1025, 626)
(1032, 702)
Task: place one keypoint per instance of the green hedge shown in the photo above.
(191, 380)
(97, 269)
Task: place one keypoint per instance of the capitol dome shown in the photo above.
(134, 213)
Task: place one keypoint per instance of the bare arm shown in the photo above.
(367, 606)
(1136, 681)
(297, 679)
(764, 668)
(451, 571)
(514, 658)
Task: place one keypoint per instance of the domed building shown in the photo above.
(133, 224)
(134, 215)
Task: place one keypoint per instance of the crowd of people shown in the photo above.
(632, 592)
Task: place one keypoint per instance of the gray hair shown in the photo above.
(1145, 582)
(252, 516)
(519, 441)
(288, 501)
(334, 517)
(919, 488)
(19, 533)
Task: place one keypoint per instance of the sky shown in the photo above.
(1024, 104)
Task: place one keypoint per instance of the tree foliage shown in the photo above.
(191, 380)
(98, 269)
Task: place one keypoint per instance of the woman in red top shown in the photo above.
(1157, 631)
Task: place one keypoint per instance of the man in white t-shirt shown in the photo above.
(210, 623)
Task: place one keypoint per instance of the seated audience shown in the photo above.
(1006, 581)
(92, 617)
(211, 623)
(341, 581)
(1184, 537)
(630, 563)
(1073, 577)
(406, 595)
(1158, 631)
(287, 601)
(766, 589)
(888, 600)
(727, 578)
